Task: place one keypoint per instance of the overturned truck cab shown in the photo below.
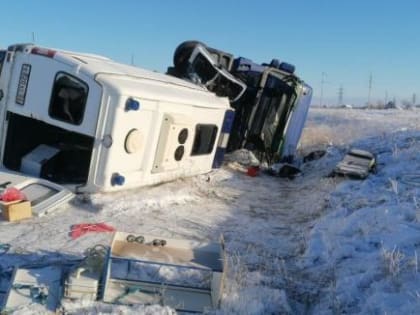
(271, 102)
(97, 125)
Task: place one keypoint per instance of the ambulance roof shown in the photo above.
(129, 80)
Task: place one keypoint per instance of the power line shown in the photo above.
(340, 95)
(370, 88)
(323, 74)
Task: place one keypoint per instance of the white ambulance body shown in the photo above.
(98, 125)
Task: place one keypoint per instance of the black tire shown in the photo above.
(182, 53)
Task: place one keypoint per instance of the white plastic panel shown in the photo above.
(27, 283)
(172, 151)
(45, 196)
(186, 275)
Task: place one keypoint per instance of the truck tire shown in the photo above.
(182, 54)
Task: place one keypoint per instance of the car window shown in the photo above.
(205, 137)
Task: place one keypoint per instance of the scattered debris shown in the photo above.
(4, 248)
(243, 157)
(314, 155)
(78, 230)
(83, 282)
(16, 210)
(284, 170)
(44, 196)
(253, 171)
(185, 275)
(14, 206)
(244, 161)
(356, 164)
(12, 194)
(135, 269)
(34, 285)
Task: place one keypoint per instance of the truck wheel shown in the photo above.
(182, 54)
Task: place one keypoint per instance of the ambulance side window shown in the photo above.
(68, 100)
(205, 137)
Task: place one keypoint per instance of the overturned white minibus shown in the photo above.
(97, 125)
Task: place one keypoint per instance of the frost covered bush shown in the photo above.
(393, 260)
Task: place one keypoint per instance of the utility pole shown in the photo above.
(386, 97)
(370, 88)
(414, 99)
(340, 95)
(323, 74)
(132, 59)
(33, 37)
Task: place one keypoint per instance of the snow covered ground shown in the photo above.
(312, 245)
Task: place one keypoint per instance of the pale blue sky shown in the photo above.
(347, 40)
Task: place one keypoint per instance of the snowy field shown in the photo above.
(312, 245)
